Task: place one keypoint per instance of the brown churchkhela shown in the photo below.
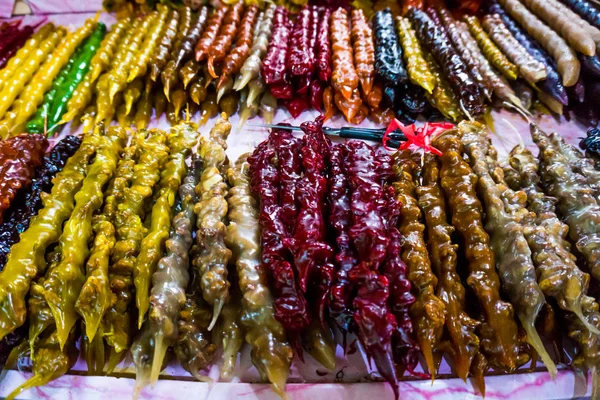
(513, 256)
(577, 204)
(498, 330)
(460, 340)
(211, 254)
(428, 310)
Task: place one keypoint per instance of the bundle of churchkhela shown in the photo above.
(498, 331)
(26, 205)
(171, 277)
(575, 197)
(559, 276)
(301, 236)
(427, 310)
(52, 304)
(26, 259)
(180, 141)
(507, 239)
(28, 199)
(271, 353)
(27, 91)
(461, 340)
(211, 256)
(418, 60)
(283, 221)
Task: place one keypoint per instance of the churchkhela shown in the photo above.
(271, 353)
(428, 310)
(507, 240)
(293, 56)
(341, 277)
(302, 234)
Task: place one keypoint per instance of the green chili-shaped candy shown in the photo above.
(39, 121)
(43, 119)
(76, 75)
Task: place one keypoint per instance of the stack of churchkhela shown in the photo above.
(427, 310)
(561, 173)
(507, 238)
(157, 241)
(535, 195)
(376, 62)
(294, 252)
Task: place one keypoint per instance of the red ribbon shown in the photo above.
(417, 137)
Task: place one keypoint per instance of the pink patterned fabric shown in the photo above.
(69, 21)
(6, 8)
(62, 6)
(536, 385)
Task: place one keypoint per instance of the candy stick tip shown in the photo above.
(533, 338)
(160, 350)
(217, 311)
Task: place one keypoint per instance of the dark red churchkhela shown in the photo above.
(340, 219)
(374, 322)
(19, 156)
(323, 49)
(290, 305)
(312, 255)
(299, 61)
(274, 65)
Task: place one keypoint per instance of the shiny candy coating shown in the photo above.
(152, 156)
(495, 56)
(271, 354)
(211, 253)
(182, 138)
(27, 257)
(416, 65)
(388, 53)
(260, 44)
(435, 39)
(498, 332)
(428, 310)
(33, 94)
(64, 282)
(463, 343)
(566, 59)
(28, 202)
(507, 239)
(19, 156)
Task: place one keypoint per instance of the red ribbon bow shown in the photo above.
(417, 137)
